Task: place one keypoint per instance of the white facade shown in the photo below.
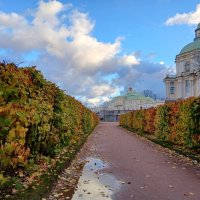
(131, 101)
(186, 82)
(123, 104)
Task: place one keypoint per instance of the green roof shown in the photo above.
(135, 96)
(191, 46)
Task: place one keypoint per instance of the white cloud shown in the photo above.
(80, 24)
(129, 60)
(94, 101)
(68, 53)
(46, 13)
(103, 89)
(162, 62)
(185, 18)
(12, 20)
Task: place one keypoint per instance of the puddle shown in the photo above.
(94, 183)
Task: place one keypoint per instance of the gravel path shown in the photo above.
(135, 168)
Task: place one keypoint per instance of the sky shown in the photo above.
(96, 49)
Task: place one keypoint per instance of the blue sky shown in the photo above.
(94, 49)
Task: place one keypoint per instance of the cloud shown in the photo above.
(58, 39)
(185, 18)
(145, 75)
(162, 62)
(129, 60)
(47, 13)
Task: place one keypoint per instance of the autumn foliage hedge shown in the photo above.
(177, 122)
(36, 117)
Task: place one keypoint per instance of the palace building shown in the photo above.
(132, 100)
(186, 82)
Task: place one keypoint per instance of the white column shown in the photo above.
(191, 88)
(184, 89)
(180, 89)
(167, 89)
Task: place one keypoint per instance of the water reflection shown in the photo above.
(94, 183)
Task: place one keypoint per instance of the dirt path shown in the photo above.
(123, 166)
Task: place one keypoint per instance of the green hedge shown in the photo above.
(36, 117)
(177, 122)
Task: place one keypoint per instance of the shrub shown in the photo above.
(36, 117)
(177, 122)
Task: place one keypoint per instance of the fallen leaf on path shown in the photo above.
(191, 193)
(14, 191)
(122, 182)
(56, 195)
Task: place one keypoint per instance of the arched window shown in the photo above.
(187, 66)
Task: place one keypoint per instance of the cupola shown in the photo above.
(193, 45)
(197, 32)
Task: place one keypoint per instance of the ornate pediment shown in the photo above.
(195, 62)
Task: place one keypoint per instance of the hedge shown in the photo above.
(36, 117)
(177, 122)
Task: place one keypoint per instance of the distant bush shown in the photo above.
(177, 122)
(36, 117)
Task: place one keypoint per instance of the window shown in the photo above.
(172, 91)
(187, 86)
(171, 83)
(172, 87)
(187, 66)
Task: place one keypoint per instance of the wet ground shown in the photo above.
(94, 183)
(116, 164)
